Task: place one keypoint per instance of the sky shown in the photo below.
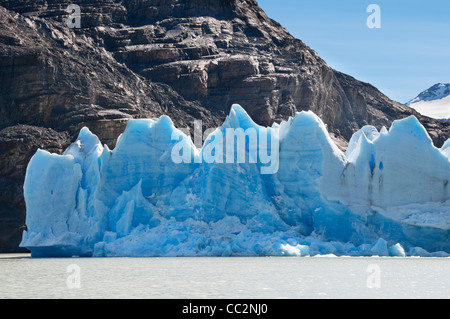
(407, 54)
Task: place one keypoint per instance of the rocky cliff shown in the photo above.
(189, 59)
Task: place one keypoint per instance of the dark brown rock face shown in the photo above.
(17, 144)
(189, 59)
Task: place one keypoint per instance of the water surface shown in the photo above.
(224, 278)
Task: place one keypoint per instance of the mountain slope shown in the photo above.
(189, 59)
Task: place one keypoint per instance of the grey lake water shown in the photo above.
(224, 278)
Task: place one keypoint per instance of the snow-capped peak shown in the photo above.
(434, 102)
(436, 92)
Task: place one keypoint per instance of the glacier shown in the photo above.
(295, 194)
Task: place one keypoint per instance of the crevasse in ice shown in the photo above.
(293, 192)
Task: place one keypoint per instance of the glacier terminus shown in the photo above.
(285, 190)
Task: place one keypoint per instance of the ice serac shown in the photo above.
(143, 154)
(249, 191)
(60, 192)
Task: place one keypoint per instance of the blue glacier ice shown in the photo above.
(285, 191)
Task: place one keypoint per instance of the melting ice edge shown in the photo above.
(387, 195)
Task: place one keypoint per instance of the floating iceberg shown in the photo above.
(284, 190)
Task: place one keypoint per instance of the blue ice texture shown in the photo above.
(295, 194)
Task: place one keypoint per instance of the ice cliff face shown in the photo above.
(295, 192)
